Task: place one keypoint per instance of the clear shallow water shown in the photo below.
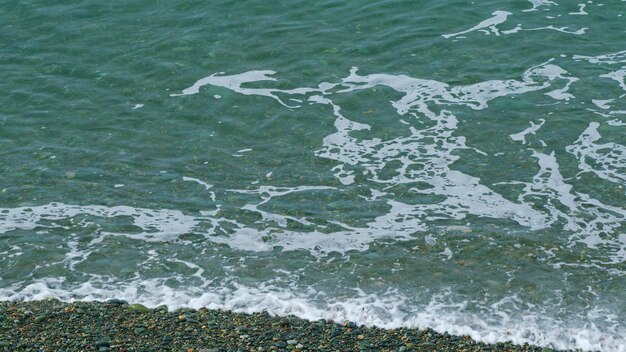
(453, 165)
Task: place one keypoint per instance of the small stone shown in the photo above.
(182, 317)
(140, 330)
(138, 307)
(292, 342)
(103, 343)
(167, 338)
(70, 174)
(280, 344)
(118, 302)
(402, 349)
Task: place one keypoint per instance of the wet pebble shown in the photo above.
(280, 344)
(117, 326)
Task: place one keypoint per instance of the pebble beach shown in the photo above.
(115, 325)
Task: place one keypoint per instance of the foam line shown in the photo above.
(157, 225)
(521, 136)
(491, 23)
(609, 159)
(539, 3)
(498, 323)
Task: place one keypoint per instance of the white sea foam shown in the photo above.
(581, 10)
(269, 192)
(612, 58)
(235, 82)
(539, 3)
(491, 23)
(155, 225)
(521, 136)
(498, 321)
(603, 104)
(433, 149)
(204, 184)
(619, 76)
(562, 203)
(424, 156)
(562, 29)
(609, 159)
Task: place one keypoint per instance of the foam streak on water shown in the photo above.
(463, 193)
(156, 225)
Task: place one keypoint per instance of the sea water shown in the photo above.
(458, 165)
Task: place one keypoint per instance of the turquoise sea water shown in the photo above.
(448, 164)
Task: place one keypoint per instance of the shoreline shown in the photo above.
(115, 325)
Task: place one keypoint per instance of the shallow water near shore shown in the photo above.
(444, 164)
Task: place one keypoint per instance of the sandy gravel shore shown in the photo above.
(51, 325)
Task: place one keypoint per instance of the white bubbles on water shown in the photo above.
(609, 159)
(235, 82)
(152, 224)
(521, 136)
(490, 23)
(581, 10)
(618, 76)
(612, 58)
(425, 156)
(538, 4)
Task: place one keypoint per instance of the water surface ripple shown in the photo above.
(444, 164)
